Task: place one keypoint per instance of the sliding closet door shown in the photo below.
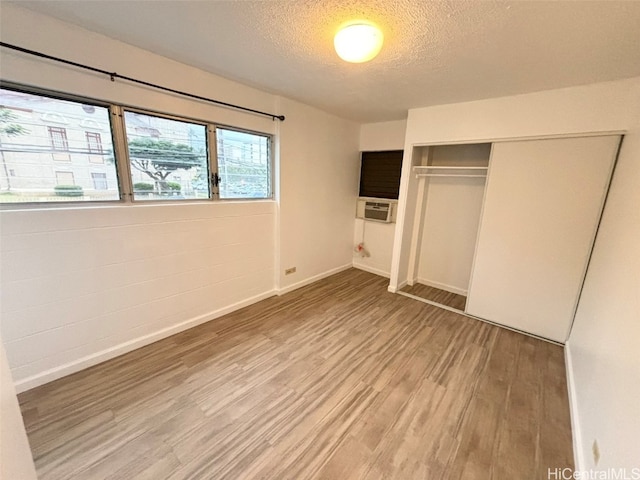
(542, 207)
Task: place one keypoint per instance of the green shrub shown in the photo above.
(175, 186)
(68, 190)
(143, 187)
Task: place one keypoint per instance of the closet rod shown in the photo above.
(444, 167)
(419, 175)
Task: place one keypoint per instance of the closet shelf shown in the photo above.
(453, 171)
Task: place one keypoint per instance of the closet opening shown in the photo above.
(449, 182)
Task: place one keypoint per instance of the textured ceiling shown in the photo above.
(434, 52)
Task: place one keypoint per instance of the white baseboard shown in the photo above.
(370, 269)
(435, 304)
(315, 278)
(395, 288)
(401, 285)
(573, 410)
(442, 286)
(117, 350)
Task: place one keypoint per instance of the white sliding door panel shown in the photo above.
(541, 211)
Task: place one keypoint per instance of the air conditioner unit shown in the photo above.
(377, 210)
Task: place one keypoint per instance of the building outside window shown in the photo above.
(38, 134)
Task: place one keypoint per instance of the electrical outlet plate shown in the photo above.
(596, 452)
(289, 271)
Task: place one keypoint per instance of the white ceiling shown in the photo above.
(434, 53)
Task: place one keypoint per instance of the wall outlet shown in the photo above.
(289, 271)
(596, 452)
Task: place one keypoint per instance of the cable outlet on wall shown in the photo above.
(289, 271)
(596, 452)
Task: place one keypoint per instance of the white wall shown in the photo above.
(378, 241)
(80, 285)
(449, 232)
(603, 346)
(378, 237)
(382, 136)
(319, 187)
(15, 455)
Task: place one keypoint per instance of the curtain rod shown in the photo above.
(114, 75)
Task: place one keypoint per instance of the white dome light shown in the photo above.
(358, 43)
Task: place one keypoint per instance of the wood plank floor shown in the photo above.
(337, 380)
(443, 297)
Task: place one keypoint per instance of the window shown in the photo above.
(168, 158)
(65, 178)
(58, 137)
(244, 164)
(31, 150)
(99, 181)
(94, 143)
(164, 157)
(380, 174)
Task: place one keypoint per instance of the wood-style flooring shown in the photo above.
(337, 380)
(436, 295)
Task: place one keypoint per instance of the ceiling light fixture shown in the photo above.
(358, 42)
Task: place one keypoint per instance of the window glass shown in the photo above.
(168, 158)
(99, 181)
(244, 164)
(44, 155)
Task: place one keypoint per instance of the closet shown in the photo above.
(451, 183)
(503, 231)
